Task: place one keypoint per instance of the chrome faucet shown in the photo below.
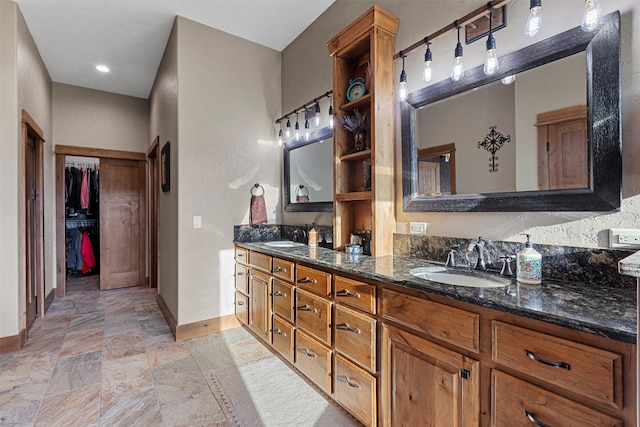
(478, 246)
(300, 235)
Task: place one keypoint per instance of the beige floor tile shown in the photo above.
(121, 324)
(125, 376)
(123, 345)
(76, 371)
(82, 342)
(166, 353)
(79, 407)
(19, 404)
(28, 367)
(139, 409)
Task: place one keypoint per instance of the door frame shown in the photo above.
(60, 152)
(153, 212)
(31, 128)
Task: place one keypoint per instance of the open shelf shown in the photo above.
(358, 155)
(356, 195)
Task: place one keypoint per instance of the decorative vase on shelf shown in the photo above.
(359, 138)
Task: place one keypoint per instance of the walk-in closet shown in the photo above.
(82, 221)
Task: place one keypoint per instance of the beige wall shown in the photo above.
(163, 122)
(228, 93)
(92, 118)
(307, 72)
(24, 84)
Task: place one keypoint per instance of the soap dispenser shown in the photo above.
(529, 264)
(313, 237)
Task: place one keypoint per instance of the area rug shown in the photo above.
(267, 392)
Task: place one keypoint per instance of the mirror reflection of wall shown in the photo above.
(466, 119)
(312, 166)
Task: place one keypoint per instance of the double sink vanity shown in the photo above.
(394, 344)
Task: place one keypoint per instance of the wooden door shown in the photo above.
(33, 226)
(122, 184)
(259, 313)
(427, 384)
(428, 179)
(153, 180)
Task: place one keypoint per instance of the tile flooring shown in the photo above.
(108, 359)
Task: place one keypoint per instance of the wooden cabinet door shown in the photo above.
(259, 311)
(425, 384)
(122, 212)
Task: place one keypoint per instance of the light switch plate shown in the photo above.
(197, 221)
(624, 238)
(418, 228)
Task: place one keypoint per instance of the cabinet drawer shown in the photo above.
(314, 360)
(261, 261)
(283, 338)
(313, 314)
(314, 280)
(355, 337)
(449, 324)
(585, 370)
(518, 403)
(283, 299)
(242, 308)
(242, 256)
(357, 294)
(242, 278)
(283, 269)
(355, 389)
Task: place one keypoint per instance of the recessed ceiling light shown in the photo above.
(102, 68)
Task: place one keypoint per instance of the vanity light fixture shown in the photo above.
(102, 68)
(491, 64)
(457, 72)
(287, 134)
(307, 134)
(534, 23)
(403, 94)
(280, 135)
(427, 72)
(297, 133)
(507, 80)
(330, 112)
(317, 116)
(592, 16)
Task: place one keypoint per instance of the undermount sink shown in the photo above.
(283, 244)
(452, 277)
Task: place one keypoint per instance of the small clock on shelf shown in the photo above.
(356, 89)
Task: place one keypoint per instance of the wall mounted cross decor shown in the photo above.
(492, 143)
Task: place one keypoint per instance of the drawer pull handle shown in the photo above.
(533, 419)
(306, 307)
(347, 380)
(308, 353)
(345, 327)
(279, 269)
(240, 274)
(279, 294)
(562, 365)
(279, 332)
(307, 280)
(239, 255)
(346, 293)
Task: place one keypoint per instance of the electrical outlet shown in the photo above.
(624, 238)
(418, 228)
(197, 222)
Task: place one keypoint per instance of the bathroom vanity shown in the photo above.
(395, 349)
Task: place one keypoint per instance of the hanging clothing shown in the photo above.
(84, 191)
(88, 258)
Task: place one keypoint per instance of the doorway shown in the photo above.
(32, 148)
(153, 188)
(122, 216)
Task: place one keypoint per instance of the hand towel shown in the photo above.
(258, 211)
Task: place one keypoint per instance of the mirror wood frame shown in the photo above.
(316, 136)
(602, 48)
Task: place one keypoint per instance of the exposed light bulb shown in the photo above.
(316, 119)
(296, 135)
(491, 64)
(403, 93)
(280, 136)
(307, 134)
(287, 133)
(592, 16)
(457, 72)
(534, 23)
(508, 79)
(427, 71)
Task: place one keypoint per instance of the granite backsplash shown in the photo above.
(267, 232)
(575, 264)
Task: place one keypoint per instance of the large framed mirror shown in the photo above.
(507, 162)
(308, 173)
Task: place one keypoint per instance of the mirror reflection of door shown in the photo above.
(437, 170)
(562, 148)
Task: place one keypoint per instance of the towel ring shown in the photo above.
(255, 190)
(301, 190)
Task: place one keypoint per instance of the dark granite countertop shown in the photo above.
(630, 266)
(606, 312)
